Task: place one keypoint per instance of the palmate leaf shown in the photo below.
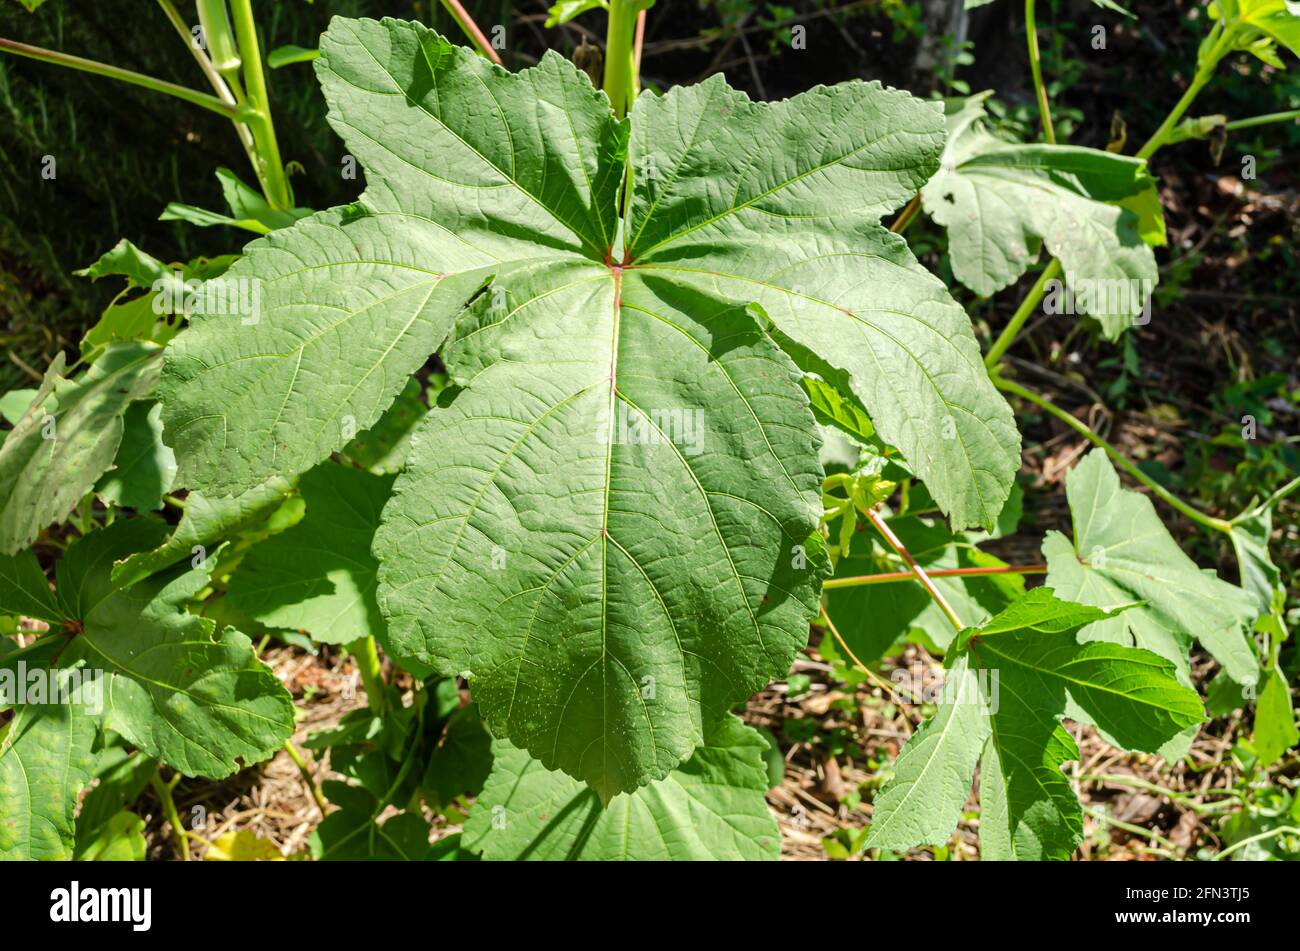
(1121, 554)
(173, 685)
(1001, 201)
(778, 204)
(194, 697)
(711, 807)
(622, 496)
(1018, 672)
(49, 460)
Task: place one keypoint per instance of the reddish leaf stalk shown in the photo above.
(889, 577)
(466, 22)
(898, 546)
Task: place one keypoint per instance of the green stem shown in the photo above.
(1204, 72)
(164, 793)
(895, 543)
(270, 167)
(620, 81)
(906, 216)
(372, 674)
(893, 577)
(1259, 837)
(218, 84)
(317, 796)
(471, 29)
(205, 64)
(1186, 800)
(1036, 68)
(1271, 501)
(1209, 521)
(1022, 314)
(1263, 120)
(1149, 834)
(211, 103)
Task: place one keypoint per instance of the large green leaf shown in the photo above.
(1121, 554)
(144, 466)
(45, 760)
(206, 521)
(1001, 201)
(173, 685)
(711, 807)
(50, 460)
(778, 204)
(1020, 671)
(24, 590)
(606, 589)
(610, 529)
(922, 803)
(319, 576)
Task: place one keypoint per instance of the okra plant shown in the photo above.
(584, 410)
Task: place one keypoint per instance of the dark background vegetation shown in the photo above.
(1223, 342)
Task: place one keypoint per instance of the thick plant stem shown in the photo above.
(205, 64)
(219, 85)
(1022, 314)
(270, 168)
(1204, 72)
(895, 543)
(372, 674)
(906, 216)
(317, 796)
(894, 577)
(1036, 68)
(164, 793)
(1209, 521)
(209, 102)
(471, 29)
(620, 76)
(637, 44)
